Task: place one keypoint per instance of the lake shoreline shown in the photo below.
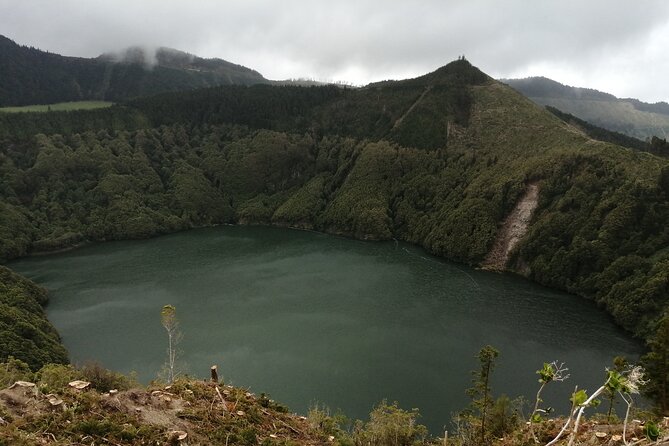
(277, 304)
(522, 273)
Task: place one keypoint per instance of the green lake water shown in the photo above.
(310, 318)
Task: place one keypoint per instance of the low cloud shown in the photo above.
(602, 44)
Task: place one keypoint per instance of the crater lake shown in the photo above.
(316, 319)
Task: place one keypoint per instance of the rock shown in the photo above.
(22, 384)
(79, 385)
(54, 400)
(177, 435)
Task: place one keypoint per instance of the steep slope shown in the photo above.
(32, 76)
(513, 229)
(107, 412)
(62, 405)
(655, 146)
(629, 116)
(25, 332)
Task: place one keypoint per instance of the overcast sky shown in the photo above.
(621, 47)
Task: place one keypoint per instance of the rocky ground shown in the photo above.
(185, 413)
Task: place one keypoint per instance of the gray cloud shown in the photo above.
(616, 46)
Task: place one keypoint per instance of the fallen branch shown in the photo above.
(218, 392)
(282, 422)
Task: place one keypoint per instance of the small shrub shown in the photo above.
(390, 425)
(14, 370)
(97, 428)
(504, 416)
(248, 436)
(652, 431)
(105, 380)
(320, 419)
(54, 377)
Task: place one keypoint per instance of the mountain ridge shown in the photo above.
(32, 76)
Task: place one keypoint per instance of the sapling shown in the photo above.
(168, 318)
(628, 383)
(625, 384)
(481, 393)
(549, 372)
(581, 401)
(572, 411)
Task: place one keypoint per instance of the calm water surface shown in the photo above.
(313, 318)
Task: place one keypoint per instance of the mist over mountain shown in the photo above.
(173, 58)
(32, 76)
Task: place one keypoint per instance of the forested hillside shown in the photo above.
(31, 76)
(655, 145)
(438, 161)
(26, 334)
(629, 116)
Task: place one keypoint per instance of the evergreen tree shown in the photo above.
(656, 364)
(480, 392)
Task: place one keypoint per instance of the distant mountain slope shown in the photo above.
(629, 116)
(655, 145)
(32, 76)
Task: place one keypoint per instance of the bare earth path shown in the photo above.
(410, 109)
(513, 229)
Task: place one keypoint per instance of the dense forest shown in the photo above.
(439, 161)
(31, 76)
(25, 332)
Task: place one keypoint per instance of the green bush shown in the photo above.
(14, 370)
(389, 425)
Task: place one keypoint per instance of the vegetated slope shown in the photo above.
(333, 160)
(629, 116)
(31, 76)
(43, 409)
(25, 332)
(655, 145)
(63, 405)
